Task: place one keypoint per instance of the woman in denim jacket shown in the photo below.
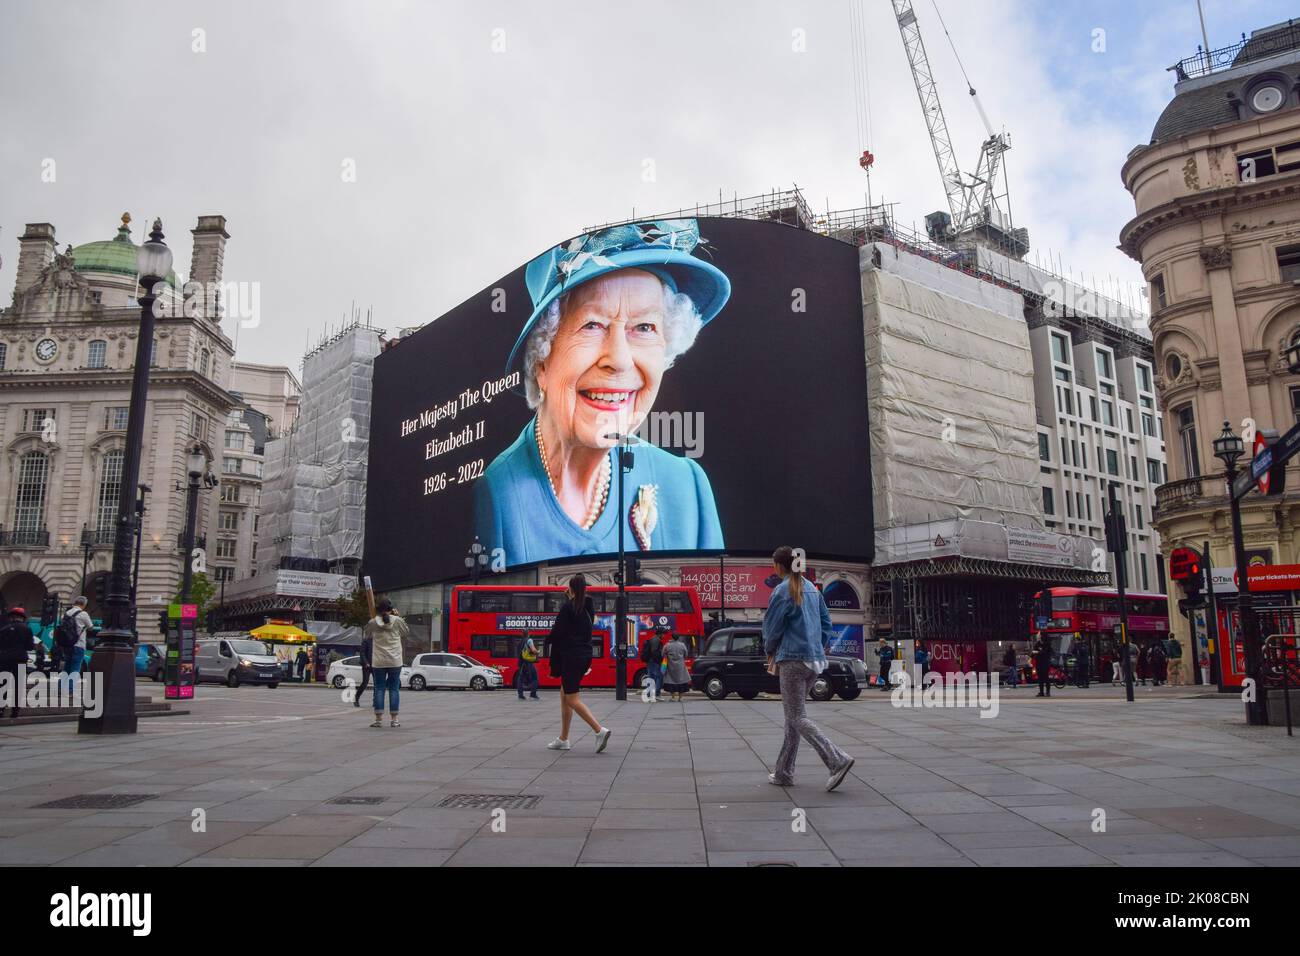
(796, 631)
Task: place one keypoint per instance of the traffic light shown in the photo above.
(1116, 532)
(633, 571)
(162, 622)
(99, 592)
(966, 609)
(49, 609)
(1186, 567)
(902, 619)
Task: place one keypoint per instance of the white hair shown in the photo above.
(682, 323)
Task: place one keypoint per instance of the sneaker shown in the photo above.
(378, 723)
(771, 778)
(395, 723)
(838, 776)
(602, 738)
(558, 744)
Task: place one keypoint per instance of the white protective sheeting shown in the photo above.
(314, 478)
(951, 391)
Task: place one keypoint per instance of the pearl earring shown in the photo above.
(541, 396)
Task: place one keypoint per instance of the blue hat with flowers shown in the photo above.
(663, 247)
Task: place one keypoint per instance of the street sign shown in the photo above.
(1267, 470)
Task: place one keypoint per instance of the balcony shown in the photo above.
(24, 539)
(1186, 493)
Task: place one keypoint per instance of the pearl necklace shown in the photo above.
(602, 484)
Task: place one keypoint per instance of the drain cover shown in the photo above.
(488, 801)
(97, 801)
(770, 863)
(358, 801)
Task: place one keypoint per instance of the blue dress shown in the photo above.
(515, 509)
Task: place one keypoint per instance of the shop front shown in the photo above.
(1275, 588)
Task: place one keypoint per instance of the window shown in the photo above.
(1153, 472)
(1088, 500)
(4, 354)
(1063, 375)
(225, 547)
(230, 493)
(153, 353)
(1268, 162)
(747, 645)
(1084, 449)
(1044, 448)
(1148, 424)
(1060, 349)
(1146, 583)
(1288, 263)
(1137, 510)
(97, 297)
(1065, 459)
(1128, 421)
(1133, 467)
(110, 490)
(677, 602)
(1049, 506)
(1187, 441)
(1103, 365)
(1144, 376)
(1108, 413)
(198, 426)
(115, 418)
(97, 354)
(1092, 401)
(1158, 300)
(225, 574)
(1064, 400)
(235, 440)
(204, 358)
(228, 521)
(1112, 462)
(230, 466)
(1069, 506)
(1074, 453)
(34, 419)
(29, 498)
(236, 417)
(1295, 404)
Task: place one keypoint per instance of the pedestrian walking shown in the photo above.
(569, 646)
(71, 635)
(1142, 664)
(526, 676)
(301, 661)
(652, 655)
(796, 632)
(15, 641)
(885, 651)
(676, 678)
(1131, 656)
(367, 649)
(922, 659)
(1157, 664)
(387, 632)
(1009, 662)
(1043, 664)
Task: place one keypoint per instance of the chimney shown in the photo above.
(35, 252)
(209, 249)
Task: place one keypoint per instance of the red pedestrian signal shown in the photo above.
(1185, 563)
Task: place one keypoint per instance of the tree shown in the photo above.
(201, 592)
(355, 610)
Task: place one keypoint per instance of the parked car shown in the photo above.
(149, 662)
(235, 662)
(453, 670)
(350, 667)
(734, 660)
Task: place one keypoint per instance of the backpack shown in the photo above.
(648, 651)
(67, 633)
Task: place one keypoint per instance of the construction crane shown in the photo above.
(973, 202)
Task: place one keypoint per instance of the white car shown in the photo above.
(453, 670)
(350, 667)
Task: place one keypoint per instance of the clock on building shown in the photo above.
(46, 350)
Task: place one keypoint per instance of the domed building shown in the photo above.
(67, 355)
(1217, 231)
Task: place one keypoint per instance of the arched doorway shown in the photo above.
(24, 589)
(93, 588)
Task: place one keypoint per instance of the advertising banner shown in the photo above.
(1039, 547)
(706, 340)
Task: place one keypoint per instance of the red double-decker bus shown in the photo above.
(488, 622)
(1093, 615)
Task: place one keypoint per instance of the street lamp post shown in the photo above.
(1229, 448)
(197, 463)
(140, 509)
(625, 461)
(114, 660)
(87, 549)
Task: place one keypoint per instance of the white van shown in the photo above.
(235, 662)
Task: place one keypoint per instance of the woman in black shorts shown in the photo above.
(570, 656)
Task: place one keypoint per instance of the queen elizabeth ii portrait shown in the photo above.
(612, 310)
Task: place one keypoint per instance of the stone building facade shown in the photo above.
(1217, 231)
(67, 354)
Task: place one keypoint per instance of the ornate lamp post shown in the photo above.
(196, 466)
(1229, 448)
(114, 660)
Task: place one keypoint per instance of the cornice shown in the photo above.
(209, 391)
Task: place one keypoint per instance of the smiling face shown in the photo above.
(607, 358)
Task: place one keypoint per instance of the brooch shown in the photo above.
(644, 515)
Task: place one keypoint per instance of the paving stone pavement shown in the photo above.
(1180, 779)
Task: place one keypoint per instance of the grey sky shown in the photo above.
(470, 161)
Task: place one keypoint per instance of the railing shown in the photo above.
(24, 539)
(1206, 62)
(1178, 494)
(200, 541)
(101, 538)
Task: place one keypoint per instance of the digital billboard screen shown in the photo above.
(730, 351)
